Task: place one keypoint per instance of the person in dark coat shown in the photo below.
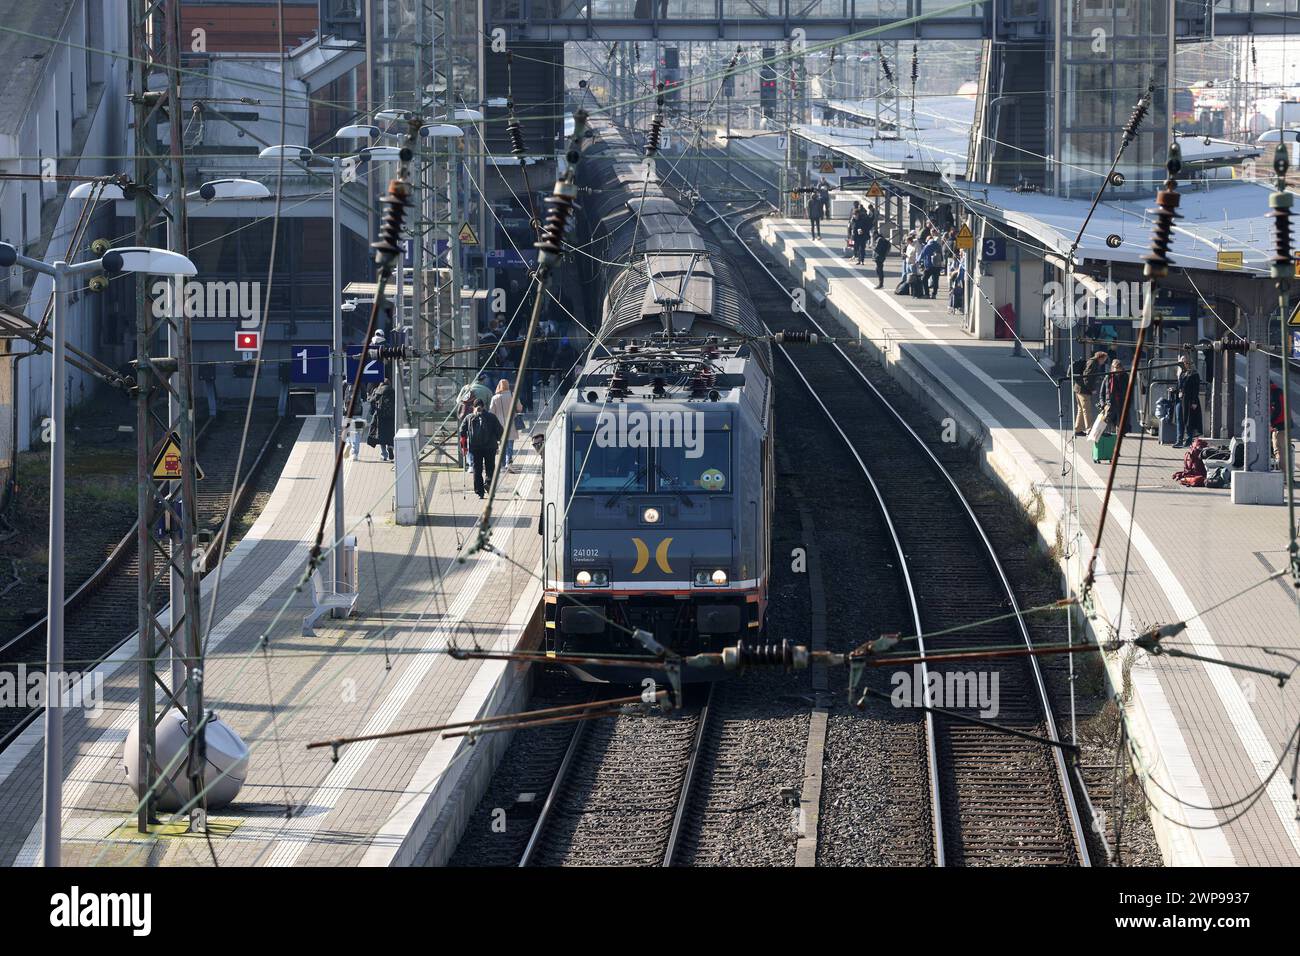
(825, 192)
(1187, 411)
(383, 422)
(880, 252)
(1085, 386)
(816, 210)
(860, 231)
(482, 432)
(848, 234)
(1112, 395)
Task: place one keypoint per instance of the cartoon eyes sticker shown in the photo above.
(713, 480)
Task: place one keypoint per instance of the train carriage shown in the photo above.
(658, 463)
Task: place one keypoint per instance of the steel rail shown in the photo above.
(1062, 769)
(121, 553)
(688, 781)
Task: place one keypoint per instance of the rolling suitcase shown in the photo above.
(1103, 449)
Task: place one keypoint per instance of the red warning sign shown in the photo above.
(247, 341)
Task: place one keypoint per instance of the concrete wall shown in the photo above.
(46, 130)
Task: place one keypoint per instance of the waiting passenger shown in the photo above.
(1085, 387)
(1187, 410)
(1112, 395)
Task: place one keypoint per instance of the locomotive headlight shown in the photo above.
(582, 579)
(651, 516)
(707, 579)
(591, 579)
(719, 577)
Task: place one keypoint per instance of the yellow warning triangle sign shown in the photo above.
(875, 192)
(466, 235)
(167, 462)
(964, 238)
(827, 166)
(1295, 316)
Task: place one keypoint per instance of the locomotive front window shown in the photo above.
(599, 468)
(709, 471)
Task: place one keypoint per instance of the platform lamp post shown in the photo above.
(116, 261)
(306, 157)
(214, 190)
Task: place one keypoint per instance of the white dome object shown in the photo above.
(223, 773)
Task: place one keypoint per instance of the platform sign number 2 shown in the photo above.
(1295, 344)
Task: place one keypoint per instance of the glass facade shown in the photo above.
(1110, 51)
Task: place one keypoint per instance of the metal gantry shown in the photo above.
(166, 532)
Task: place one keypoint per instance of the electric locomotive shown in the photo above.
(658, 476)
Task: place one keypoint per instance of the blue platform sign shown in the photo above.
(510, 258)
(374, 370)
(310, 365)
(994, 249)
(1295, 344)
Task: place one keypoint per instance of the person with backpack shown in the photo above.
(383, 424)
(816, 209)
(880, 252)
(1187, 410)
(1086, 374)
(481, 431)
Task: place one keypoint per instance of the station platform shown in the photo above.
(387, 802)
(1205, 735)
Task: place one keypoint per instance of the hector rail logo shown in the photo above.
(77, 909)
(657, 429)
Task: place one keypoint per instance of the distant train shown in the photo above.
(658, 476)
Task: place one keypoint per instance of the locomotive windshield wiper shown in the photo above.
(627, 486)
(672, 485)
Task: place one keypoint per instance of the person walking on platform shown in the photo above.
(506, 410)
(816, 209)
(482, 432)
(824, 192)
(1187, 410)
(382, 423)
(1085, 386)
(1112, 397)
(861, 231)
(880, 252)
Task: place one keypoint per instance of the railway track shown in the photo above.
(623, 792)
(995, 798)
(103, 611)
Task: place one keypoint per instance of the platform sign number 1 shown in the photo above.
(310, 365)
